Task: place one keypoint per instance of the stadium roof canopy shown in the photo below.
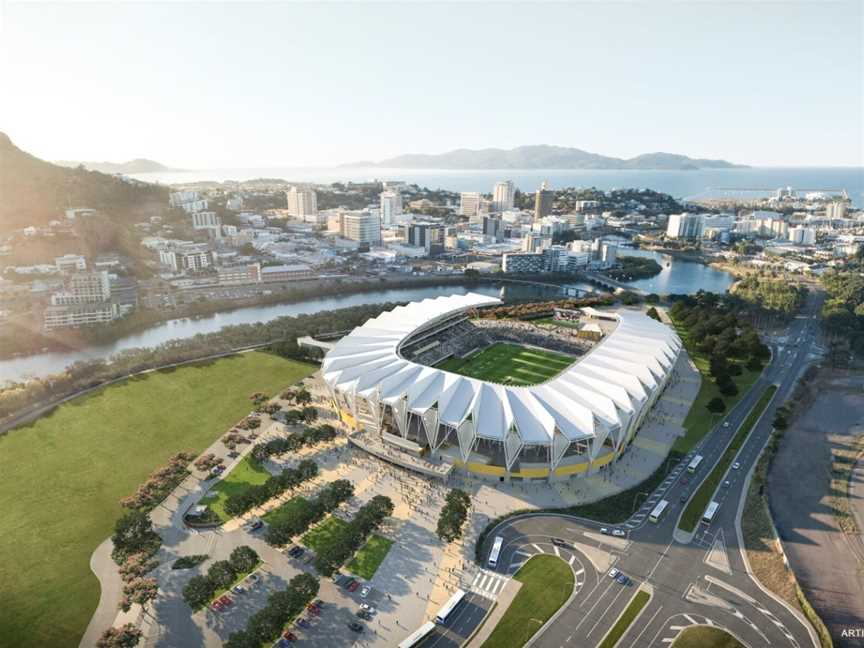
(593, 398)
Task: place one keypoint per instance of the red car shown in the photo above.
(353, 586)
(290, 636)
(226, 600)
(216, 606)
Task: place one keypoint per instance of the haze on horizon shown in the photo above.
(263, 85)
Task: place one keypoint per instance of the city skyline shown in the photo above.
(728, 81)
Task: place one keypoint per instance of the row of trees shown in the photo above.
(256, 495)
(341, 545)
(771, 293)
(453, 515)
(266, 625)
(295, 517)
(540, 309)
(843, 312)
(199, 591)
(310, 436)
(160, 483)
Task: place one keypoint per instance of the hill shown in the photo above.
(545, 157)
(35, 191)
(138, 165)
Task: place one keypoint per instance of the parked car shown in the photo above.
(618, 533)
(303, 623)
(363, 614)
(233, 454)
(365, 591)
(348, 582)
(622, 579)
(613, 573)
(369, 608)
(296, 552)
(352, 587)
(356, 627)
(604, 531)
(238, 589)
(253, 577)
(290, 636)
(559, 542)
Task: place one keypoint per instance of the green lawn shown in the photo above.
(705, 637)
(626, 619)
(551, 321)
(547, 583)
(246, 473)
(510, 364)
(284, 510)
(699, 502)
(62, 476)
(370, 556)
(323, 532)
(699, 420)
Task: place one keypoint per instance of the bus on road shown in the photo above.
(710, 512)
(496, 551)
(694, 464)
(417, 636)
(449, 606)
(658, 511)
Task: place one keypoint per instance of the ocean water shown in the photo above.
(680, 184)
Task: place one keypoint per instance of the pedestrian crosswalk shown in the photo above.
(488, 584)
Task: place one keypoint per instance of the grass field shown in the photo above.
(62, 476)
(370, 556)
(247, 473)
(551, 321)
(321, 534)
(509, 364)
(705, 637)
(547, 583)
(284, 510)
(696, 507)
(639, 601)
(699, 420)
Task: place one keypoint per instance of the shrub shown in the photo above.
(243, 559)
(716, 405)
(188, 562)
(221, 574)
(198, 591)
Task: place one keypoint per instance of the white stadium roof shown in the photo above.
(592, 398)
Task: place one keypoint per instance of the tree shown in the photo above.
(221, 574)
(728, 387)
(136, 565)
(653, 314)
(140, 591)
(652, 298)
(716, 405)
(126, 636)
(305, 585)
(133, 533)
(243, 559)
(198, 591)
(302, 396)
(242, 639)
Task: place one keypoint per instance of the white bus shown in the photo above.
(496, 551)
(449, 606)
(710, 512)
(694, 464)
(418, 635)
(658, 511)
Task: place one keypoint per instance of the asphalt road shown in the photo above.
(691, 583)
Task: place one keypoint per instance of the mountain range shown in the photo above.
(545, 157)
(138, 165)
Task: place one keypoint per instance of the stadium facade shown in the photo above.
(574, 423)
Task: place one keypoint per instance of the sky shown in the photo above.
(224, 85)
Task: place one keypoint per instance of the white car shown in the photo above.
(368, 608)
(736, 466)
(618, 533)
(726, 424)
(365, 590)
(613, 573)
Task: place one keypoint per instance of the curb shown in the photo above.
(557, 613)
(643, 587)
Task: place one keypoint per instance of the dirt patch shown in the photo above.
(803, 494)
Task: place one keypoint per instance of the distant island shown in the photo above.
(545, 157)
(138, 165)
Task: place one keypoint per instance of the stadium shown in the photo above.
(501, 398)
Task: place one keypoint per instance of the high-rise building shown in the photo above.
(835, 210)
(429, 236)
(503, 196)
(302, 202)
(534, 243)
(802, 235)
(543, 201)
(469, 203)
(83, 288)
(493, 226)
(205, 220)
(362, 226)
(684, 226)
(391, 207)
(70, 263)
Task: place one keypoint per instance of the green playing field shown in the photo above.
(509, 364)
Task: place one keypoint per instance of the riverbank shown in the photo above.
(18, 343)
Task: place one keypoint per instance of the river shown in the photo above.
(43, 364)
(677, 277)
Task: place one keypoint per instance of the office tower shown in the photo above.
(301, 202)
(684, 225)
(543, 201)
(391, 207)
(469, 203)
(503, 196)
